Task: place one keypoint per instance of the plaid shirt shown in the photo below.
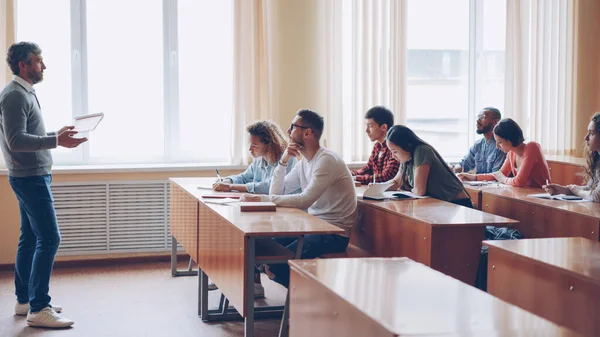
(381, 162)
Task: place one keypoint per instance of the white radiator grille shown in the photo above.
(113, 217)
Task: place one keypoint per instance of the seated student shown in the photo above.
(591, 191)
(524, 161)
(483, 156)
(381, 164)
(267, 144)
(327, 190)
(424, 171)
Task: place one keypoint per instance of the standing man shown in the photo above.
(26, 149)
(484, 156)
(381, 165)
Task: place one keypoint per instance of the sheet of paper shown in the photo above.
(375, 191)
(560, 197)
(224, 201)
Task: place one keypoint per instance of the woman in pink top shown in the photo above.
(524, 161)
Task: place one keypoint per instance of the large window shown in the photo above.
(455, 67)
(160, 70)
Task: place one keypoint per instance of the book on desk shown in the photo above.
(259, 206)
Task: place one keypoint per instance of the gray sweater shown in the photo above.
(23, 138)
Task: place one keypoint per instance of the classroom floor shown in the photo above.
(129, 300)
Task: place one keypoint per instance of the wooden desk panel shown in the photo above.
(558, 279)
(566, 170)
(221, 248)
(184, 220)
(540, 218)
(336, 297)
(442, 235)
(476, 195)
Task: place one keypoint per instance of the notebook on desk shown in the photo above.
(221, 196)
(562, 197)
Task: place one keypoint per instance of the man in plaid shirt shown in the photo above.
(382, 164)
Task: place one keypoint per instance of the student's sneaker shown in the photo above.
(259, 290)
(47, 318)
(212, 286)
(23, 309)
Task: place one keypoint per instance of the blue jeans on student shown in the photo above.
(38, 242)
(313, 247)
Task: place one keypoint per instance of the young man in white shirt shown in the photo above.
(327, 190)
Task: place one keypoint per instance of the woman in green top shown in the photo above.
(423, 171)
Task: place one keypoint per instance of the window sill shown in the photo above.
(172, 167)
(128, 168)
(125, 168)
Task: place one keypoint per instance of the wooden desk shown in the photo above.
(541, 218)
(398, 297)
(227, 244)
(439, 234)
(566, 170)
(558, 279)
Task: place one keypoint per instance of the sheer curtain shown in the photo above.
(7, 37)
(255, 69)
(541, 66)
(365, 62)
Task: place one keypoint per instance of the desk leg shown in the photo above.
(203, 295)
(249, 287)
(174, 272)
(284, 328)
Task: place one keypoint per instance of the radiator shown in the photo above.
(112, 217)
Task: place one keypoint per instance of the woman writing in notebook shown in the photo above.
(590, 191)
(267, 144)
(423, 171)
(524, 161)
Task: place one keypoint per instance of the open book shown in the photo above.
(402, 195)
(479, 183)
(562, 197)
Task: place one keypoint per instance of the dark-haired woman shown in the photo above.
(423, 170)
(524, 161)
(590, 191)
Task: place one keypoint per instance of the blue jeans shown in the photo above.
(38, 242)
(313, 247)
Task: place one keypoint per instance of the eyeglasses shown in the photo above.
(298, 126)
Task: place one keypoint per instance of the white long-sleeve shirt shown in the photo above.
(327, 189)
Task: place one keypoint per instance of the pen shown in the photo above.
(218, 175)
(547, 182)
(374, 178)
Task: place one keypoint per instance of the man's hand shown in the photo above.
(467, 177)
(65, 139)
(221, 186)
(65, 128)
(250, 197)
(293, 150)
(456, 168)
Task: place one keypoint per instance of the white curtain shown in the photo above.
(541, 68)
(365, 63)
(256, 63)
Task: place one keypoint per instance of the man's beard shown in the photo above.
(484, 130)
(35, 77)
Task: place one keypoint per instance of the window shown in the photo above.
(455, 67)
(158, 77)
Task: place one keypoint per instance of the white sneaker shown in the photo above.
(212, 286)
(23, 309)
(259, 290)
(47, 318)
